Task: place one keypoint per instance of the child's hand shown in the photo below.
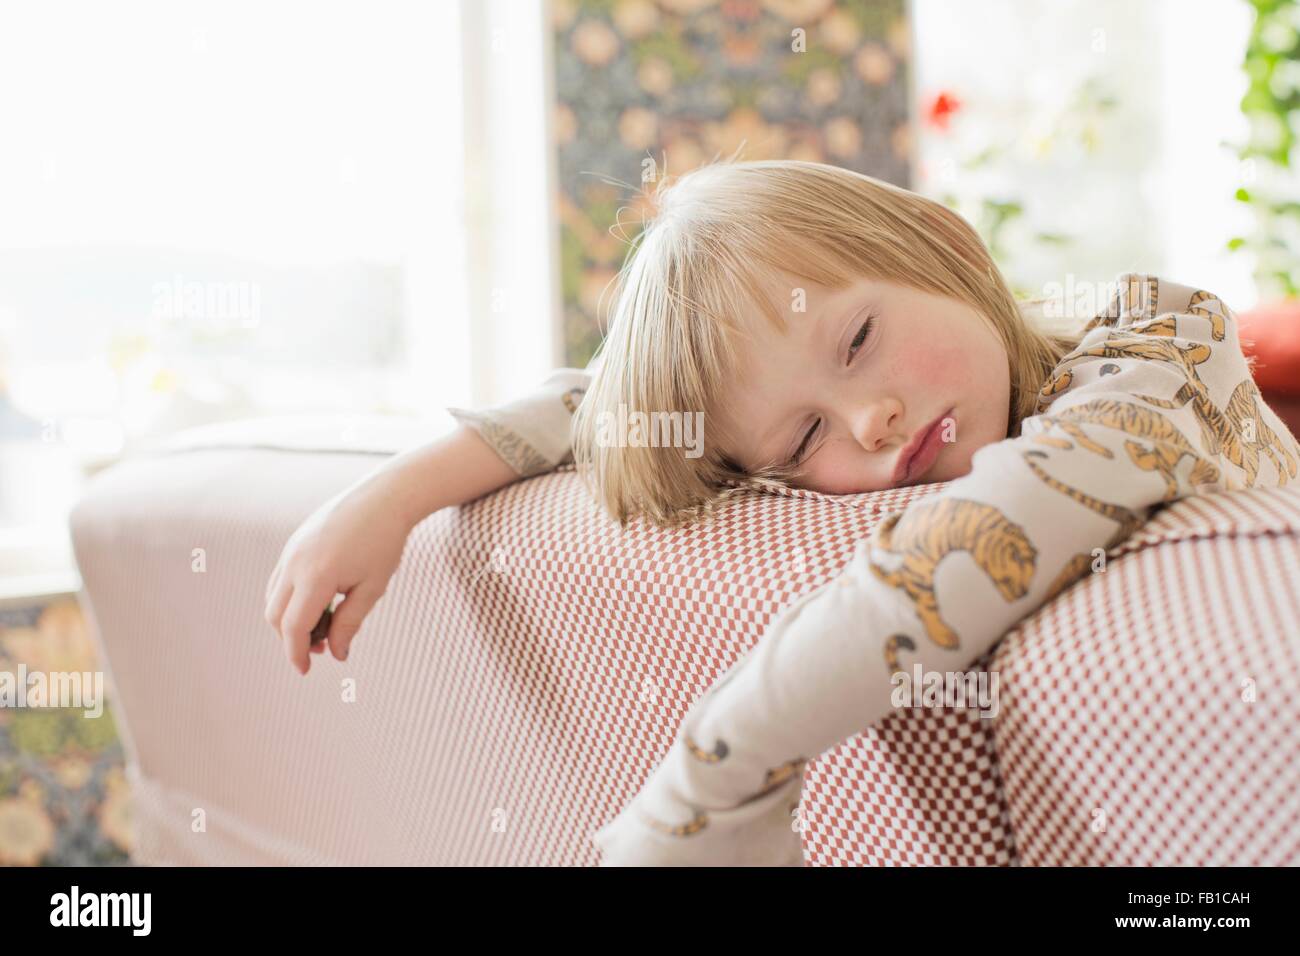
(351, 545)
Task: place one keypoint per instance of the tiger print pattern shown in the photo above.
(1168, 446)
(919, 538)
(1257, 440)
(572, 399)
(773, 779)
(1218, 328)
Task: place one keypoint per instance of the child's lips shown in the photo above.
(919, 454)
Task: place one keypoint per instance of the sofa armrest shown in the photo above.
(175, 545)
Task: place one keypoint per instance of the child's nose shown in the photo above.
(876, 422)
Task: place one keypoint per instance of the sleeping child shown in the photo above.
(836, 333)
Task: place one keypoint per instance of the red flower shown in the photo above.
(943, 106)
(743, 11)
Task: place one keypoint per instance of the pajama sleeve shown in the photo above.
(1152, 406)
(531, 433)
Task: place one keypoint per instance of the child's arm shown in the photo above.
(354, 542)
(1152, 406)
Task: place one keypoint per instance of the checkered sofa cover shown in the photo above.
(529, 665)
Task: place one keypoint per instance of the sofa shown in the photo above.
(530, 662)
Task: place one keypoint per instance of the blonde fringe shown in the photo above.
(678, 313)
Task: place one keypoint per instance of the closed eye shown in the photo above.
(794, 459)
(859, 340)
(863, 334)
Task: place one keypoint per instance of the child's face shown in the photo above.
(926, 359)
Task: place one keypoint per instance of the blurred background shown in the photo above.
(218, 211)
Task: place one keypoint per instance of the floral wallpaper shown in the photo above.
(682, 82)
(64, 799)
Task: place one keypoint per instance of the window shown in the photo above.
(1088, 138)
(229, 208)
(220, 210)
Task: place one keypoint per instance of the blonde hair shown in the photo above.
(718, 234)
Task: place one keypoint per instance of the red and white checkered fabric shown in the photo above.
(1150, 716)
(641, 624)
(529, 664)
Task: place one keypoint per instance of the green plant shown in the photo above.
(1272, 104)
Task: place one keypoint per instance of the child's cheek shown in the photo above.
(932, 365)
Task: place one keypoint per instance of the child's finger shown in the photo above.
(272, 582)
(348, 617)
(278, 602)
(304, 611)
